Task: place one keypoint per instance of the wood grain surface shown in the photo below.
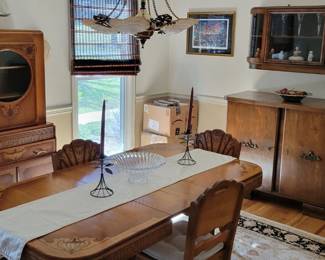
(123, 231)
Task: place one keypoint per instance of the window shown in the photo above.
(98, 53)
(90, 91)
(103, 66)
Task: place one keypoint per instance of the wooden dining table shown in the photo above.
(123, 231)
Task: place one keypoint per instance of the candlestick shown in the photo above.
(102, 190)
(187, 159)
(189, 120)
(102, 132)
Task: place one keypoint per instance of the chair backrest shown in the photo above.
(219, 142)
(217, 208)
(77, 152)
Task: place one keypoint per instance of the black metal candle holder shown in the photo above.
(187, 159)
(102, 190)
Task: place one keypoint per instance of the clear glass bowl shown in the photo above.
(138, 165)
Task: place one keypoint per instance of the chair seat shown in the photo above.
(173, 247)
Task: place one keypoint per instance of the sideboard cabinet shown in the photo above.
(287, 140)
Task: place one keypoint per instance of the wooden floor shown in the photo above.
(285, 215)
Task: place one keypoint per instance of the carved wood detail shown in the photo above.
(77, 152)
(26, 136)
(219, 142)
(10, 111)
(72, 245)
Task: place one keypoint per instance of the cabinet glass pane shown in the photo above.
(15, 76)
(296, 38)
(257, 32)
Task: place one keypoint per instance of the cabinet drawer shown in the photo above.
(24, 152)
(8, 177)
(256, 127)
(34, 168)
(302, 170)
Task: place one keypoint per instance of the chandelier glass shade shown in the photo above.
(3, 9)
(143, 25)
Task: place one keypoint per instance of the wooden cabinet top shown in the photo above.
(273, 100)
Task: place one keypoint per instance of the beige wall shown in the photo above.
(62, 119)
(212, 115)
(52, 17)
(218, 76)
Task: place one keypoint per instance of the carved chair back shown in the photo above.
(77, 152)
(217, 208)
(219, 142)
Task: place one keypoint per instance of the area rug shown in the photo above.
(260, 238)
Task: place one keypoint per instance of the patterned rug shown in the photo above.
(259, 238)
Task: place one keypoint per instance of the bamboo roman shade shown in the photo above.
(98, 53)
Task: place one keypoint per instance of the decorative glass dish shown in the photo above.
(292, 96)
(138, 165)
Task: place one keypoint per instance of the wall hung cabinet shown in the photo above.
(287, 140)
(288, 39)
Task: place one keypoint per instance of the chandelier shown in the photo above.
(3, 9)
(143, 25)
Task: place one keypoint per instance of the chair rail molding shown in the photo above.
(216, 100)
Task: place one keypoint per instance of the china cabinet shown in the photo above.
(287, 140)
(26, 140)
(288, 39)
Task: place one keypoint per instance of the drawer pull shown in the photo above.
(39, 152)
(311, 156)
(250, 144)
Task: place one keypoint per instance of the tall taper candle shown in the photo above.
(189, 119)
(102, 132)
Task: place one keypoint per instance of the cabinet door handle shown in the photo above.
(250, 144)
(311, 156)
(39, 152)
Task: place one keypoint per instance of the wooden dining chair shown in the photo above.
(77, 152)
(219, 142)
(210, 230)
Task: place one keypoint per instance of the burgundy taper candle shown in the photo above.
(189, 119)
(102, 132)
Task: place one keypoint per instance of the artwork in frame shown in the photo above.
(213, 35)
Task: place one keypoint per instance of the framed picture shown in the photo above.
(213, 35)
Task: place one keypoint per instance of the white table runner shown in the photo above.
(29, 221)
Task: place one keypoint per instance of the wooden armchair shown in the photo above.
(219, 142)
(77, 152)
(215, 211)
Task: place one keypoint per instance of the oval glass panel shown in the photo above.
(15, 76)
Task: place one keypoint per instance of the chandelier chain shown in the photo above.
(149, 7)
(155, 7)
(114, 9)
(122, 9)
(170, 9)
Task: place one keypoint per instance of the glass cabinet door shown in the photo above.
(296, 38)
(256, 35)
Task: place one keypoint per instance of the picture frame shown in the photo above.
(213, 35)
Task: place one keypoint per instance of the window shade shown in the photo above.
(98, 53)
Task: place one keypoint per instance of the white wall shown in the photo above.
(52, 17)
(219, 76)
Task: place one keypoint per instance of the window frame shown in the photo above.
(127, 107)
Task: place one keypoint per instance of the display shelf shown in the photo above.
(285, 32)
